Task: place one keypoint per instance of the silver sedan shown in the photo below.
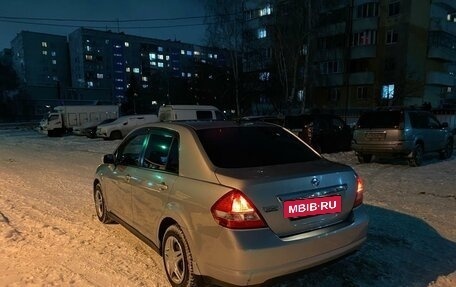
(238, 203)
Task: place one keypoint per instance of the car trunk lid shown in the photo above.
(270, 188)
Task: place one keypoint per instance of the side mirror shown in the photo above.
(109, 159)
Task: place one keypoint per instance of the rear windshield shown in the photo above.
(247, 146)
(381, 119)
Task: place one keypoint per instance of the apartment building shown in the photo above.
(108, 63)
(42, 64)
(100, 66)
(367, 53)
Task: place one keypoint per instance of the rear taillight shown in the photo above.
(234, 210)
(359, 191)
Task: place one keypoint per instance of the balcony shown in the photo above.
(442, 53)
(332, 80)
(363, 52)
(440, 78)
(360, 24)
(446, 4)
(443, 25)
(364, 78)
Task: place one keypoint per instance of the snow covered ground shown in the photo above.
(50, 236)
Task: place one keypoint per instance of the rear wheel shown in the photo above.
(417, 156)
(447, 151)
(177, 258)
(364, 158)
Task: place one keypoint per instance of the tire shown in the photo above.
(115, 135)
(177, 258)
(364, 158)
(417, 156)
(100, 205)
(447, 151)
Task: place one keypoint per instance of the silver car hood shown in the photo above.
(269, 186)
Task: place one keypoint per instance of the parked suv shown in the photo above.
(401, 133)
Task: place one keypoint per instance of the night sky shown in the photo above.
(110, 14)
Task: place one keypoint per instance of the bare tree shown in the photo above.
(290, 36)
(225, 20)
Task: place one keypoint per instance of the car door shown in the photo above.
(435, 134)
(128, 157)
(154, 180)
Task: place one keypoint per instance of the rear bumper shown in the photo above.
(399, 148)
(253, 257)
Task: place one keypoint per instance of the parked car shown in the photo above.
(230, 202)
(91, 131)
(404, 133)
(189, 112)
(119, 128)
(326, 133)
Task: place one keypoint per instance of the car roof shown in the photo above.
(200, 125)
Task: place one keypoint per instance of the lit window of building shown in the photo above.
(144, 78)
(127, 69)
(261, 33)
(44, 44)
(54, 62)
(160, 56)
(153, 63)
(266, 10)
(160, 64)
(210, 56)
(388, 92)
(196, 53)
(160, 49)
(182, 52)
(90, 84)
(189, 53)
(89, 57)
(88, 48)
(367, 37)
(152, 56)
(44, 52)
(183, 74)
(136, 70)
(53, 53)
(127, 44)
(215, 56)
(99, 76)
(264, 76)
(145, 86)
(167, 58)
(189, 75)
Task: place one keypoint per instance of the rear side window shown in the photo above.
(247, 146)
(382, 119)
(204, 115)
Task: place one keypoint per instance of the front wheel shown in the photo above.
(417, 156)
(177, 258)
(447, 151)
(100, 205)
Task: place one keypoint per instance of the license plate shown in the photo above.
(375, 136)
(312, 206)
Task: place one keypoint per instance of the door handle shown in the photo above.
(162, 186)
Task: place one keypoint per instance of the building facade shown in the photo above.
(360, 54)
(41, 62)
(95, 66)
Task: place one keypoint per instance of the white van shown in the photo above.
(189, 112)
(123, 125)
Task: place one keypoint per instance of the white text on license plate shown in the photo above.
(312, 206)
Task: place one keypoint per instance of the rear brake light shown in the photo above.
(234, 210)
(359, 192)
